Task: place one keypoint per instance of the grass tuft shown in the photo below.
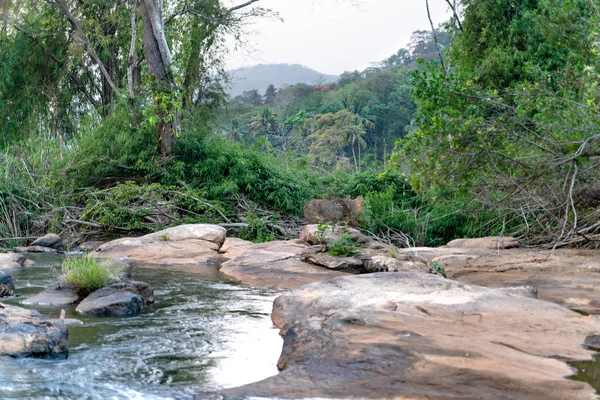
(88, 274)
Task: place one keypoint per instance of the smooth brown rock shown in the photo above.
(491, 243)
(25, 333)
(181, 245)
(11, 261)
(418, 336)
(310, 235)
(334, 211)
(273, 265)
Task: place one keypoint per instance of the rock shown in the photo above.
(230, 243)
(25, 333)
(345, 264)
(414, 335)
(274, 265)
(185, 244)
(29, 263)
(334, 211)
(50, 240)
(389, 264)
(310, 235)
(525, 291)
(119, 299)
(11, 261)
(7, 288)
(88, 246)
(34, 249)
(54, 296)
(491, 242)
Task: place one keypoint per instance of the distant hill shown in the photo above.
(261, 76)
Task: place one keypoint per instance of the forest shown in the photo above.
(115, 120)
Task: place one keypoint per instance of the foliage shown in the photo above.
(259, 230)
(343, 247)
(88, 274)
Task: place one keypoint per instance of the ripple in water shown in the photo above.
(201, 335)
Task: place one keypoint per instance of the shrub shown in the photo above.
(87, 273)
(344, 247)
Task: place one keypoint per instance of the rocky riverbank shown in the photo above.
(353, 331)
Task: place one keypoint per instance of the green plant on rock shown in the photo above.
(88, 274)
(344, 247)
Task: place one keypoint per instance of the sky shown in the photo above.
(333, 36)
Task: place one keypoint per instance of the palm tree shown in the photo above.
(264, 121)
(354, 136)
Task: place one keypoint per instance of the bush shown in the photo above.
(344, 247)
(88, 274)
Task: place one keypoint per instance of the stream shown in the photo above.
(202, 334)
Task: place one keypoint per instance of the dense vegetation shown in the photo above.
(489, 125)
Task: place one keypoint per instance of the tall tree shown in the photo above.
(270, 95)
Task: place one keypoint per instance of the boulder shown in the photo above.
(181, 245)
(415, 335)
(7, 288)
(25, 333)
(120, 299)
(35, 249)
(11, 261)
(50, 240)
(275, 264)
(311, 235)
(491, 243)
(334, 211)
(55, 296)
(345, 264)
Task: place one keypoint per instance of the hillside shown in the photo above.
(262, 75)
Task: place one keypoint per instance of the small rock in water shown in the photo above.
(7, 287)
(11, 261)
(120, 299)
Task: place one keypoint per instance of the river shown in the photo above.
(202, 334)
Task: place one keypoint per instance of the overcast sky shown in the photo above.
(333, 36)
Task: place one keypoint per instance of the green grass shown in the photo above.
(88, 274)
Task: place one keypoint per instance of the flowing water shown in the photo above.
(202, 334)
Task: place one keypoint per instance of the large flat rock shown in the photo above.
(181, 245)
(413, 335)
(566, 276)
(274, 265)
(25, 333)
(54, 296)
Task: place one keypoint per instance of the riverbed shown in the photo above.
(202, 334)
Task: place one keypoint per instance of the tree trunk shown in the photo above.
(158, 58)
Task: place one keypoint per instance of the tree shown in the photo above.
(265, 121)
(270, 95)
(253, 97)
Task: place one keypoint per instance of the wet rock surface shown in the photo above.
(412, 335)
(54, 296)
(7, 286)
(119, 299)
(25, 333)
